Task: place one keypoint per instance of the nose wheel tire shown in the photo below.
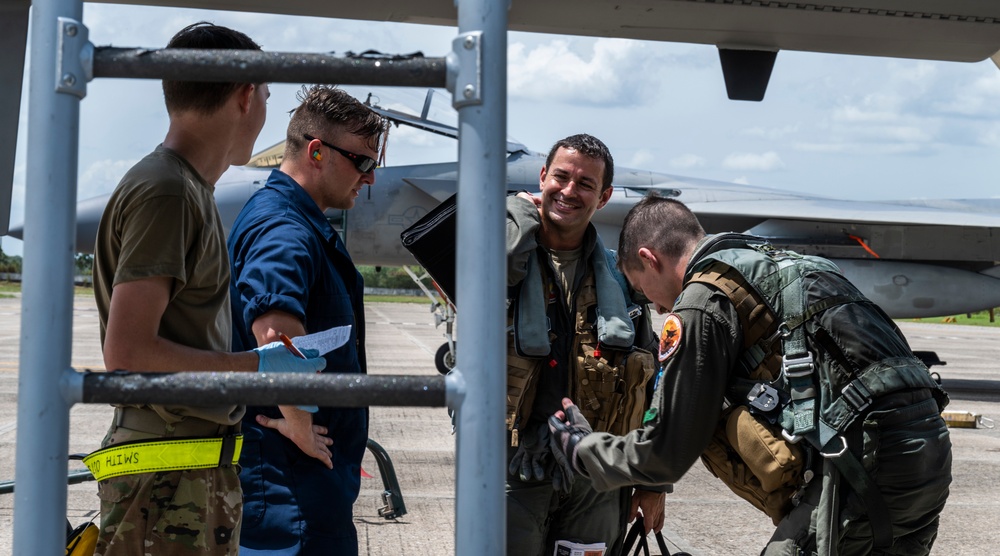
(444, 359)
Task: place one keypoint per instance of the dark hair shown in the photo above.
(666, 225)
(325, 110)
(202, 96)
(589, 146)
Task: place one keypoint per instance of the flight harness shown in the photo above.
(608, 382)
(789, 400)
(163, 454)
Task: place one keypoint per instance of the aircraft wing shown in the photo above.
(956, 30)
(920, 258)
(918, 230)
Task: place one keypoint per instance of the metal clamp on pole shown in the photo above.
(75, 57)
(465, 73)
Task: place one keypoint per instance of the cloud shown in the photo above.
(828, 148)
(614, 74)
(641, 158)
(771, 133)
(873, 148)
(990, 136)
(764, 162)
(978, 98)
(876, 107)
(101, 177)
(742, 180)
(686, 161)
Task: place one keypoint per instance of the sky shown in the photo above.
(849, 127)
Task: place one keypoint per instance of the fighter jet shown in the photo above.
(914, 258)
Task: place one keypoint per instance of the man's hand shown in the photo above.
(651, 505)
(531, 461)
(298, 427)
(534, 199)
(275, 358)
(567, 428)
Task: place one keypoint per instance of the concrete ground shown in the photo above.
(703, 517)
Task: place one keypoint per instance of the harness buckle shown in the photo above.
(857, 395)
(838, 454)
(797, 367)
(782, 332)
(791, 438)
(764, 400)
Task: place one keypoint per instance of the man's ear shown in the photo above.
(605, 196)
(245, 95)
(541, 177)
(649, 259)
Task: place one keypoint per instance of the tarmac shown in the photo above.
(702, 516)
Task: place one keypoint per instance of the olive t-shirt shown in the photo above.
(162, 221)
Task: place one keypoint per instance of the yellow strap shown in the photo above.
(159, 455)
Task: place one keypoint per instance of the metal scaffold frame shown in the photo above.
(62, 62)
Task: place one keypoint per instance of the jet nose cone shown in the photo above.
(17, 230)
(88, 217)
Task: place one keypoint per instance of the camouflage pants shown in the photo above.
(171, 513)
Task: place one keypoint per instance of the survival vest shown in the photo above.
(607, 384)
(807, 371)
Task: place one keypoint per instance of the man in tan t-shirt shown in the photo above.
(162, 287)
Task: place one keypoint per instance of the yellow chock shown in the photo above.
(966, 420)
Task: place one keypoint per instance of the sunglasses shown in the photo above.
(363, 163)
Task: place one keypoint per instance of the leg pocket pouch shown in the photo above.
(252, 481)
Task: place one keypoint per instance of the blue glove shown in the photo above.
(275, 358)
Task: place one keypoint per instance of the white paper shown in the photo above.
(324, 342)
(568, 548)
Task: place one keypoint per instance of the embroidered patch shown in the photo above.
(650, 415)
(670, 337)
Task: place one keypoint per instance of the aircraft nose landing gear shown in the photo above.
(444, 312)
(444, 359)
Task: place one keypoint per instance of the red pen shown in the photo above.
(291, 347)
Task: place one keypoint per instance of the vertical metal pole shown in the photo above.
(481, 519)
(47, 290)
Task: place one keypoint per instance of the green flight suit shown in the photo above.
(900, 439)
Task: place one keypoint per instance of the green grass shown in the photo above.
(396, 299)
(981, 318)
(15, 287)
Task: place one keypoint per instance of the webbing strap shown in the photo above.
(179, 454)
(820, 306)
(862, 484)
(797, 364)
(756, 317)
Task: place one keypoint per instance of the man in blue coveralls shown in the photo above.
(292, 275)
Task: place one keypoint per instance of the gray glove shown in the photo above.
(560, 481)
(531, 461)
(275, 358)
(566, 437)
